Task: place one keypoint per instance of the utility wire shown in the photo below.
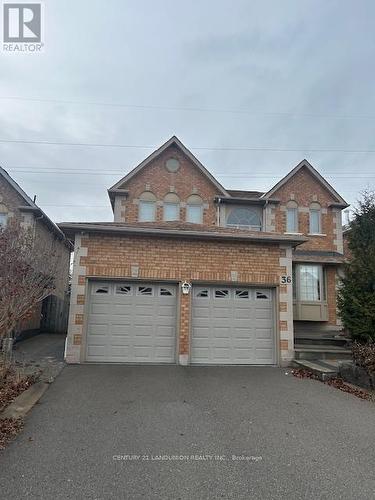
(244, 176)
(311, 149)
(191, 108)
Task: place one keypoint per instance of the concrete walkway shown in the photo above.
(153, 432)
(41, 353)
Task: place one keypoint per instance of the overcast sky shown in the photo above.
(218, 74)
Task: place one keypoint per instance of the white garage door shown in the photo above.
(232, 326)
(131, 322)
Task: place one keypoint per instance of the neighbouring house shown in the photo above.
(192, 273)
(52, 313)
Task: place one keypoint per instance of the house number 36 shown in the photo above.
(286, 280)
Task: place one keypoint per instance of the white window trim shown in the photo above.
(192, 205)
(169, 203)
(295, 210)
(149, 203)
(322, 281)
(5, 220)
(319, 213)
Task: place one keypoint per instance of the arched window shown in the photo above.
(171, 207)
(3, 216)
(194, 209)
(291, 217)
(245, 218)
(147, 207)
(315, 219)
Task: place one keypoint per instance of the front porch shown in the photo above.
(320, 347)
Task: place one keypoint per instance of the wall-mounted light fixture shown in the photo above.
(185, 287)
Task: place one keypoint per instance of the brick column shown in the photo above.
(77, 300)
(286, 311)
(184, 329)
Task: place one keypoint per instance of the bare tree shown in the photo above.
(28, 265)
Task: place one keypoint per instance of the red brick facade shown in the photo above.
(187, 181)
(177, 260)
(203, 260)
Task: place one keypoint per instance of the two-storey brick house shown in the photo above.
(15, 204)
(192, 273)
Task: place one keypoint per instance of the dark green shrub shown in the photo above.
(356, 299)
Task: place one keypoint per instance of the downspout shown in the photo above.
(218, 211)
(35, 221)
(265, 216)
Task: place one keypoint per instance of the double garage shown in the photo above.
(137, 322)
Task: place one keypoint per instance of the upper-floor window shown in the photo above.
(315, 219)
(292, 217)
(3, 220)
(147, 207)
(194, 209)
(3, 217)
(244, 218)
(171, 207)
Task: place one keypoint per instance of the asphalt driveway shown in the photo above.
(291, 438)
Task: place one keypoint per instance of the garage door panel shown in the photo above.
(263, 324)
(98, 308)
(98, 351)
(264, 334)
(222, 312)
(244, 313)
(237, 329)
(120, 309)
(98, 329)
(264, 354)
(126, 324)
(165, 332)
(262, 313)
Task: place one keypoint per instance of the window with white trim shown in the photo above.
(194, 209)
(244, 218)
(292, 217)
(146, 211)
(241, 294)
(221, 294)
(166, 292)
(171, 207)
(3, 220)
(202, 294)
(310, 283)
(144, 290)
(123, 290)
(101, 289)
(315, 219)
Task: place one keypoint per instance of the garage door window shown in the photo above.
(201, 294)
(101, 289)
(262, 296)
(221, 294)
(145, 290)
(242, 294)
(166, 292)
(123, 289)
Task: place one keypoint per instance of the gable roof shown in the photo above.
(305, 164)
(238, 193)
(172, 141)
(30, 205)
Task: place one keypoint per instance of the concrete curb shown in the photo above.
(25, 401)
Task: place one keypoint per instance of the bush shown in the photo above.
(356, 299)
(364, 356)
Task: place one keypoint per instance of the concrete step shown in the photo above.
(321, 352)
(322, 370)
(336, 341)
